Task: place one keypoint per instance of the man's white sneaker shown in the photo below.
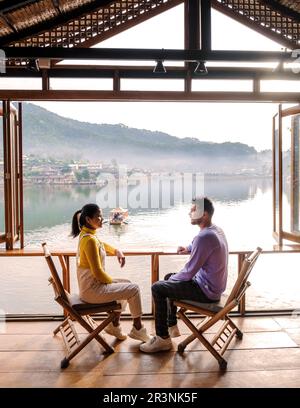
(115, 331)
(157, 343)
(174, 331)
(141, 334)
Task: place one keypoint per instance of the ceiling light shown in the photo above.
(159, 67)
(33, 65)
(201, 68)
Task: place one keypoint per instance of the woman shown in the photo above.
(95, 285)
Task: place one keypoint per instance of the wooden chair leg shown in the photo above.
(181, 346)
(239, 333)
(191, 337)
(94, 334)
(58, 328)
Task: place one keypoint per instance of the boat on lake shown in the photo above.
(118, 216)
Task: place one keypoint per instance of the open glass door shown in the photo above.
(12, 174)
(286, 174)
(277, 186)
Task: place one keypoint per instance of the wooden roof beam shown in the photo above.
(147, 73)
(151, 96)
(140, 54)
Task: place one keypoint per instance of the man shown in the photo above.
(202, 279)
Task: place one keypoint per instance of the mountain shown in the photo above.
(49, 135)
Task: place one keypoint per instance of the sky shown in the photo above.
(249, 123)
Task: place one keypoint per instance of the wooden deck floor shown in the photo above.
(268, 356)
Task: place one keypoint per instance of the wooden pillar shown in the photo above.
(192, 24)
(45, 80)
(154, 273)
(191, 36)
(66, 275)
(116, 81)
(242, 304)
(20, 174)
(205, 25)
(280, 167)
(8, 190)
(197, 31)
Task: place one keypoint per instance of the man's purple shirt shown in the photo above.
(208, 262)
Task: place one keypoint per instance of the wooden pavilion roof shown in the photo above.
(83, 23)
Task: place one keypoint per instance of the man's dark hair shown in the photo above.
(205, 203)
(208, 206)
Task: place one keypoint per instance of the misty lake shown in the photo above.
(243, 208)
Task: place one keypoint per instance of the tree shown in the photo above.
(78, 176)
(65, 169)
(85, 174)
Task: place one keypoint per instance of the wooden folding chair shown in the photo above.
(78, 311)
(214, 312)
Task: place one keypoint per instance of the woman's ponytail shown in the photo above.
(76, 227)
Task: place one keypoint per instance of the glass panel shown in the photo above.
(275, 282)
(286, 174)
(24, 286)
(276, 170)
(295, 227)
(1, 180)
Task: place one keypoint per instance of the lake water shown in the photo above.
(243, 208)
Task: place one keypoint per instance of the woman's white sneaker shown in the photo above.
(157, 343)
(115, 331)
(141, 334)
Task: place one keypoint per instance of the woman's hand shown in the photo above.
(182, 250)
(121, 258)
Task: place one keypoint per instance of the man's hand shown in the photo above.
(121, 258)
(182, 250)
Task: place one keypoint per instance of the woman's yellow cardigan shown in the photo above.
(89, 254)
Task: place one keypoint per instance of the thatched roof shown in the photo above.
(71, 23)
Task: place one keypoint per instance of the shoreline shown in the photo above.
(206, 176)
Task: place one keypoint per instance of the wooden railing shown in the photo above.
(155, 257)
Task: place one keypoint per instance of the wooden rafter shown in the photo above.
(259, 15)
(6, 21)
(56, 5)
